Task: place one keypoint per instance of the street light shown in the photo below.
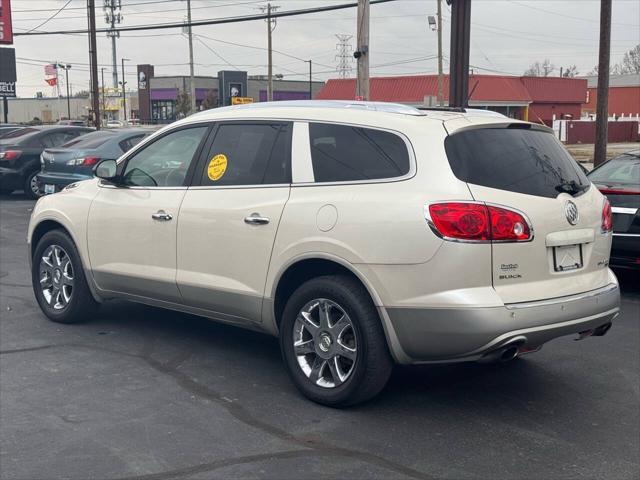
(66, 68)
(124, 94)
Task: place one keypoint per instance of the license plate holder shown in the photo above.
(48, 188)
(567, 257)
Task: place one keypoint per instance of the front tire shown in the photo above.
(333, 343)
(58, 279)
(32, 187)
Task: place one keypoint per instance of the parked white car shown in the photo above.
(361, 234)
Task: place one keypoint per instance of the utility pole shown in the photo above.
(440, 76)
(459, 64)
(310, 62)
(93, 62)
(362, 52)
(124, 91)
(192, 87)
(602, 110)
(113, 17)
(271, 26)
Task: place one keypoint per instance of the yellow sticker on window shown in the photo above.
(217, 167)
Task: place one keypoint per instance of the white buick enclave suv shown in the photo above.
(361, 234)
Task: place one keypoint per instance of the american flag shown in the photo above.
(50, 70)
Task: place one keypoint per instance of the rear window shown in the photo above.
(341, 153)
(90, 140)
(624, 169)
(519, 160)
(16, 134)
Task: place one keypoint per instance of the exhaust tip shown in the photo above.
(509, 353)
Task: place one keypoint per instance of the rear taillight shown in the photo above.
(89, 161)
(607, 217)
(8, 155)
(83, 162)
(477, 222)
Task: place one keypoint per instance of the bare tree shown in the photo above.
(631, 61)
(538, 69)
(210, 100)
(183, 104)
(570, 72)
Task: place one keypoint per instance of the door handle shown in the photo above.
(256, 219)
(162, 216)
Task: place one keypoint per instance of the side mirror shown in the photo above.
(106, 170)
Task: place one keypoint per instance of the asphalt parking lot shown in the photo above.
(141, 393)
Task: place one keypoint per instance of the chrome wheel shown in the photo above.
(325, 343)
(56, 277)
(33, 185)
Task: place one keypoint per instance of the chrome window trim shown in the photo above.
(238, 187)
(624, 210)
(626, 234)
(427, 216)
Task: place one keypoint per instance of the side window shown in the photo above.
(341, 153)
(249, 154)
(126, 144)
(164, 163)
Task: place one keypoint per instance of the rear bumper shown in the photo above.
(625, 250)
(468, 334)
(60, 181)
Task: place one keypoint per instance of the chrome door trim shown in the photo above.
(624, 210)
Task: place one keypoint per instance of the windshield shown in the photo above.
(624, 169)
(519, 160)
(90, 140)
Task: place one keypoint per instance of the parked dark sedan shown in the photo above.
(20, 155)
(6, 128)
(75, 160)
(619, 180)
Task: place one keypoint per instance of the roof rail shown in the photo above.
(369, 106)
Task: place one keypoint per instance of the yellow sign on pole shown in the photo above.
(241, 100)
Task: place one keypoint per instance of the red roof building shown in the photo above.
(624, 96)
(528, 98)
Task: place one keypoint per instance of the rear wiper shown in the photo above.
(572, 187)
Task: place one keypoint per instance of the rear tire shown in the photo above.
(58, 279)
(31, 187)
(340, 356)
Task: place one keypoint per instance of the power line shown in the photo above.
(216, 21)
(50, 18)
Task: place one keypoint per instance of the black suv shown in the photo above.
(20, 155)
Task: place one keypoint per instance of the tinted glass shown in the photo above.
(624, 169)
(341, 153)
(249, 154)
(164, 163)
(18, 135)
(128, 143)
(56, 139)
(519, 160)
(90, 140)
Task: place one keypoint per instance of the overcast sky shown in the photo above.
(506, 36)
